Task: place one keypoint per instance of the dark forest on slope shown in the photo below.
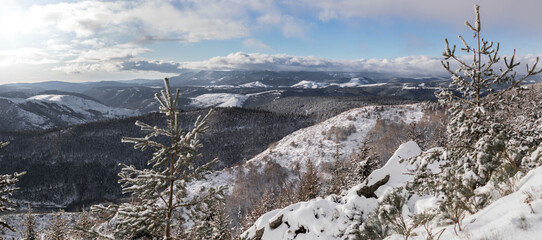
(77, 165)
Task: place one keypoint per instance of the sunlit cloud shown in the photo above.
(99, 37)
(25, 56)
(413, 65)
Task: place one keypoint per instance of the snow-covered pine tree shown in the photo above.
(159, 191)
(347, 173)
(387, 218)
(212, 221)
(364, 162)
(476, 137)
(29, 232)
(221, 224)
(7, 187)
(339, 174)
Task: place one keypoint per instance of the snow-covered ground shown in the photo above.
(219, 100)
(354, 82)
(309, 84)
(508, 218)
(82, 106)
(256, 84)
(516, 216)
(43, 222)
(318, 143)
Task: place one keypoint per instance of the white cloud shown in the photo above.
(107, 59)
(190, 21)
(118, 52)
(79, 68)
(413, 65)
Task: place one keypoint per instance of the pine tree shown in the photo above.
(221, 224)
(339, 173)
(7, 187)
(212, 221)
(29, 224)
(364, 162)
(58, 229)
(477, 137)
(386, 219)
(161, 190)
(350, 172)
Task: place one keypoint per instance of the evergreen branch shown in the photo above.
(6, 225)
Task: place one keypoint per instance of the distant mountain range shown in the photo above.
(42, 105)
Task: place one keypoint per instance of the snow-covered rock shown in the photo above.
(516, 216)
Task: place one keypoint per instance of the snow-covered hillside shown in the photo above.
(346, 132)
(85, 107)
(256, 84)
(219, 100)
(309, 84)
(508, 218)
(354, 82)
(55, 110)
(319, 143)
(516, 216)
(332, 217)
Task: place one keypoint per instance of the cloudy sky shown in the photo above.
(74, 40)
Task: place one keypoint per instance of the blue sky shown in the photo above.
(94, 40)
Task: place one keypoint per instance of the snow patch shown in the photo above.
(256, 84)
(219, 100)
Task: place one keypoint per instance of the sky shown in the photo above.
(45, 40)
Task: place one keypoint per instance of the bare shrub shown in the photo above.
(339, 134)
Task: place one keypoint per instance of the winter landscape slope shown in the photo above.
(319, 143)
(54, 110)
(335, 217)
